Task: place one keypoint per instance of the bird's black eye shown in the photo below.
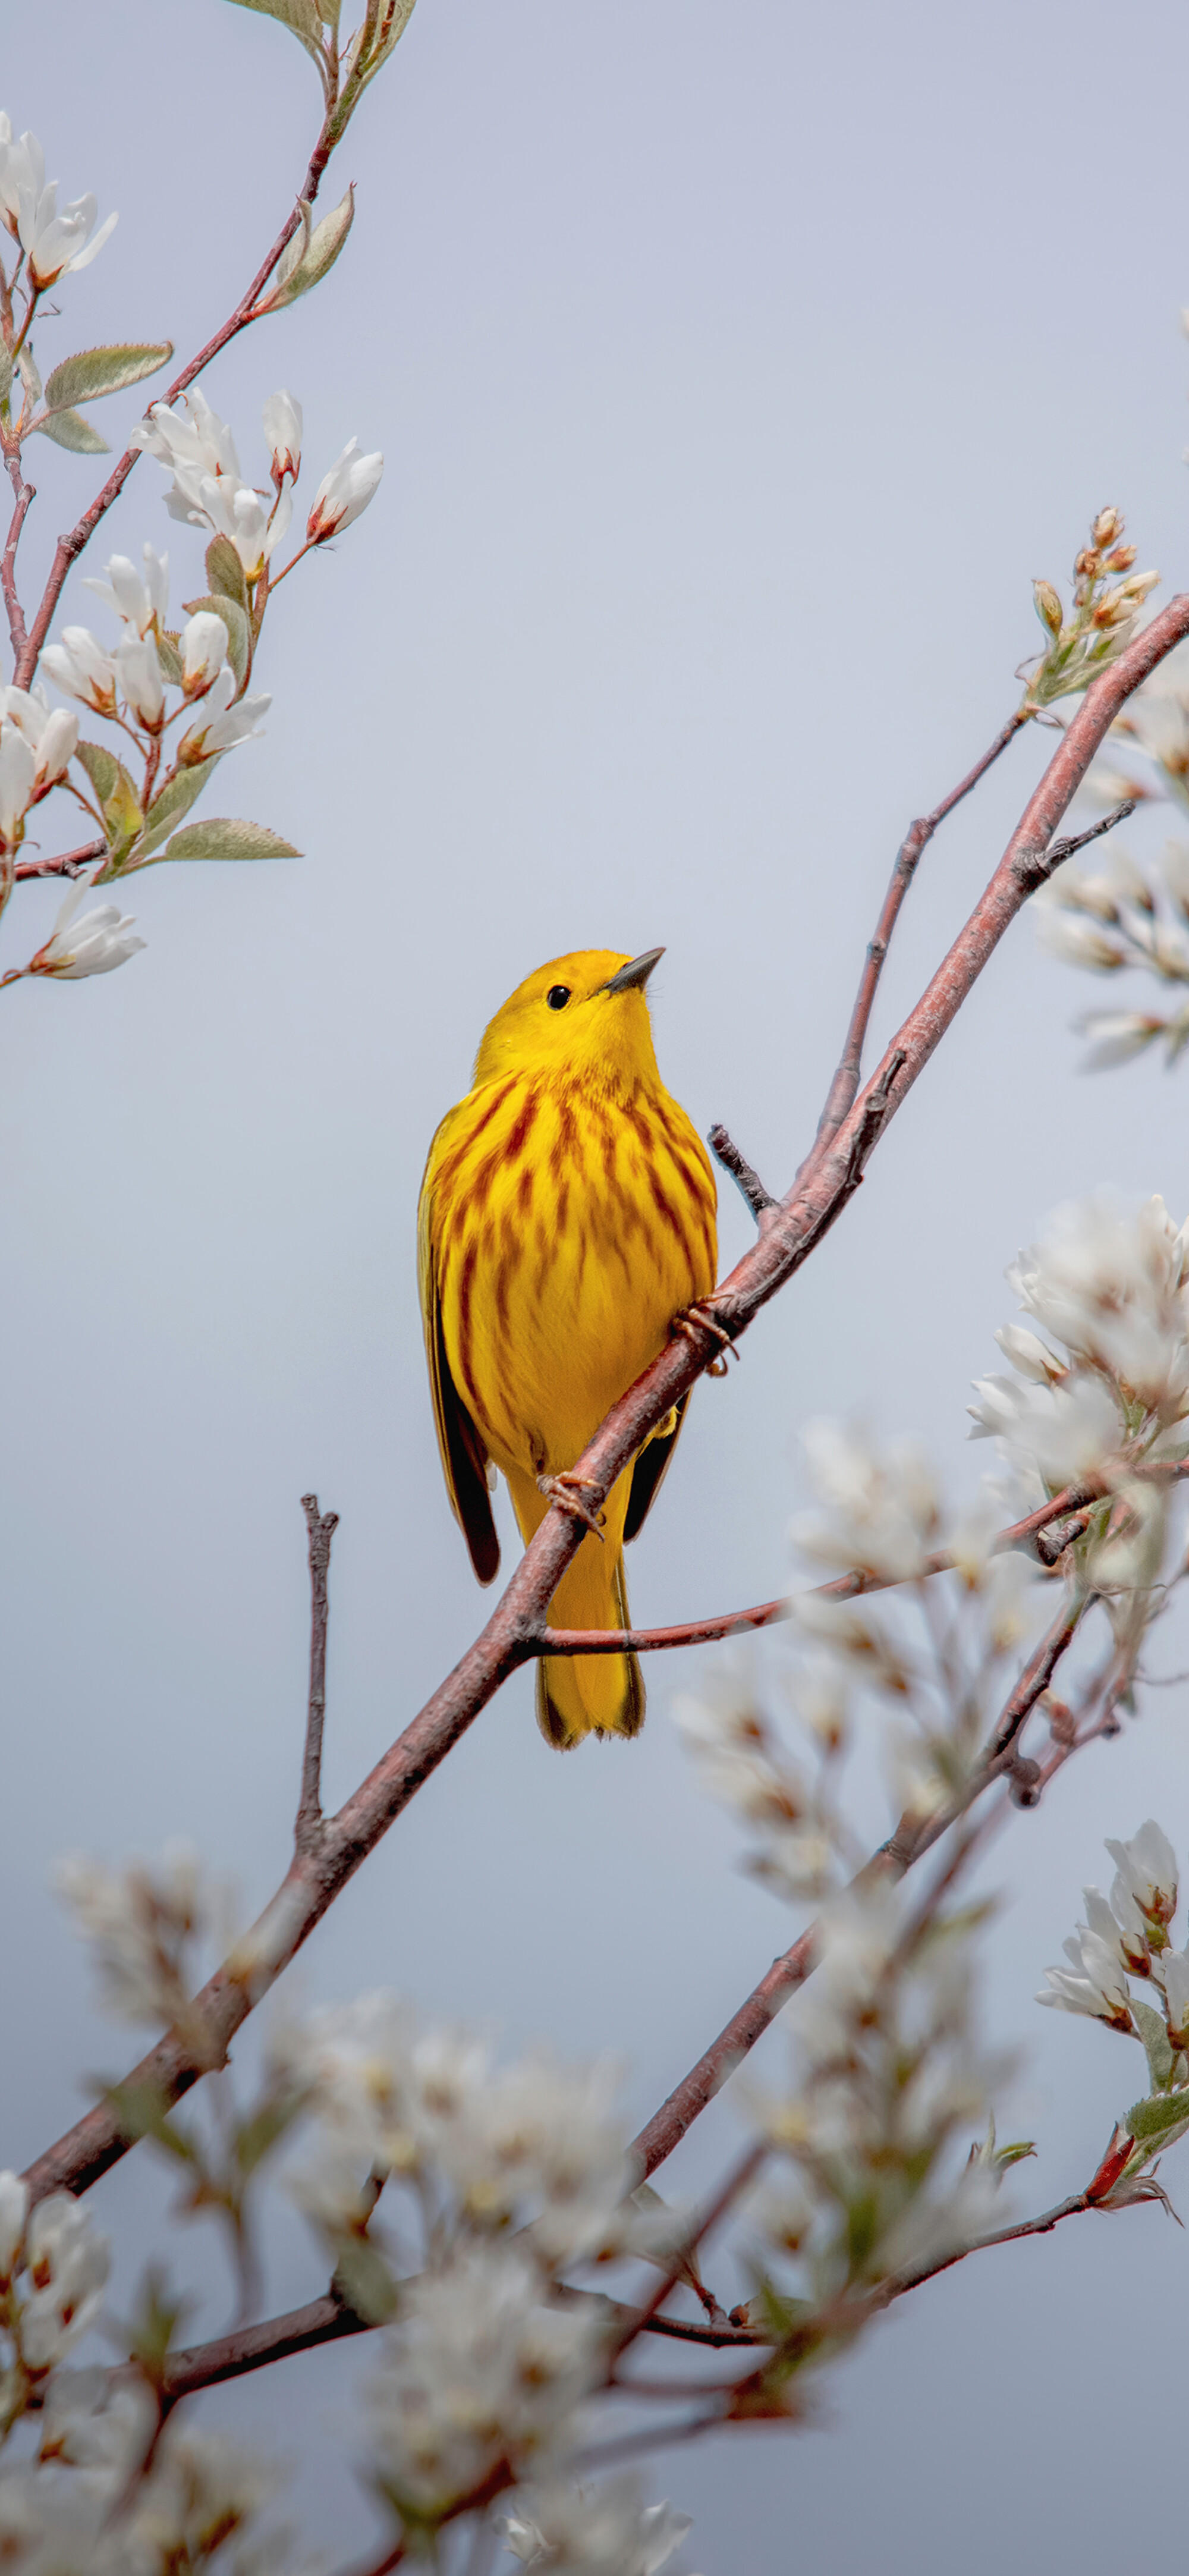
(557, 996)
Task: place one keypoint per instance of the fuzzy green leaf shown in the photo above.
(311, 265)
(169, 657)
(239, 633)
(225, 572)
(220, 838)
(69, 429)
(1158, 2120)
(117, 795)
(104, 371)
(300, 16)
(256, 2136)
(1153, 2031)
(175, 800)
(364, 2281)
(141, 2111)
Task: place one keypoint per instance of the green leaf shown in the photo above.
(104, 371)
(256, 2136)
(176, 797)
(364, 2281)
(300, 16)
(300, 268)
(69, 429)
(142, 2112)
(121, 805)
(219, 838)
(1153, 2031)
(225, 572)
(169, 657)
(1157, 2121)
(239, 632)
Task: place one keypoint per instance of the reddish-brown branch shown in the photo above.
(71, 546)
(68, 863)
(23, 494)
(813, 1204)
(841, 1094)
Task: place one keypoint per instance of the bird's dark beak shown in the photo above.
(633, 976)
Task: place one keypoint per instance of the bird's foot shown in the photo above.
(697, 1319)
(567, 1491)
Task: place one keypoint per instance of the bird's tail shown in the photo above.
(581, 1695)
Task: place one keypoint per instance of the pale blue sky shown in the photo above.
(736, 371)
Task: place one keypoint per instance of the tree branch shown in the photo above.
(726, 1152)
(813, 1204)
(23, 494)
(841, 1094)
(68, 863)
(308, 1828)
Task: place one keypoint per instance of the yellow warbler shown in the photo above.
(567, 1218)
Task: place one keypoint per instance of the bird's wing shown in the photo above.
(464, 1458)
(650, 1471)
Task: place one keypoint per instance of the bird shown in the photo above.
(567, 1223)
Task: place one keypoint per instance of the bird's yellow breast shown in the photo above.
(570, 1221)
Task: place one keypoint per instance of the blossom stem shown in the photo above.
(321, 1526)
(24, 493)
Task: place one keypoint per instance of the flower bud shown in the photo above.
(1107, 526)
(1048, 606)
(282, 429)
(1121, 559)
(56, 749)
(343, 493)
(204, 651)
(140, 680)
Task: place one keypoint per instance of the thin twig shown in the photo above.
(315, 1880)
(726, 1152)
(69, 863)
(841, 1095)
(321, 1526)
(23, 494)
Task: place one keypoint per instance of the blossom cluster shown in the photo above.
(53, 2271)
(874, 2171)
(1126, 1944)
(1107, 600)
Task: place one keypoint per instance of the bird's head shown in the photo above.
(584, 1015)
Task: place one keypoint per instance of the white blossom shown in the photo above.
(1078, 942)
(139, 1922)
(196, 445)
(141, 684)
(204, 651)
(81, 669)
(1097, 1984)
(14, 2206)
(344, 493)
(1112, 1285)
(282, 429)
(479, 2369)
(224, 720)
(52, 242)
(18, 782)
(880, 1506)
(1147, 1866)
(51, 732)
(1175, 1979)
(66, 2263)
(595, 2531)
(1064, 1433)
(102, 939)
(138, 601)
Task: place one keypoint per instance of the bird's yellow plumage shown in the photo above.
(567, 1215)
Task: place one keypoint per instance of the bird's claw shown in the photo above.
(695, 1319)
(567, 1491)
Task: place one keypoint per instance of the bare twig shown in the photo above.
(23, 494)
(315, 1879)
(321, 1526)
(841, 1094)
(726, 1152)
